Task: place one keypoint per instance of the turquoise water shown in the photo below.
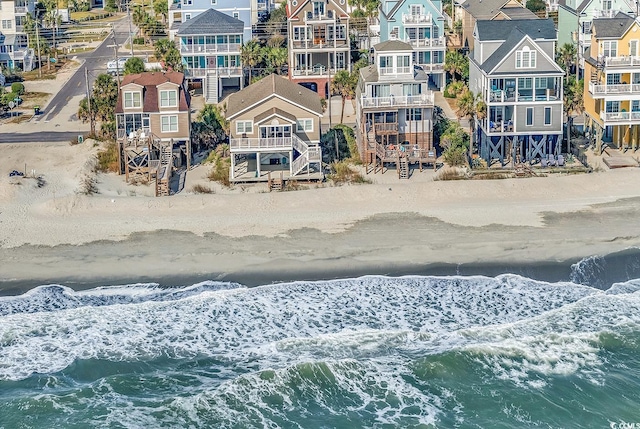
(372, 352)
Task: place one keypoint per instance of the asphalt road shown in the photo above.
(95, 62)
(54, 137)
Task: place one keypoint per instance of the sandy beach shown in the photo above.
(54, 233)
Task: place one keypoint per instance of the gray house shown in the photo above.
(274, 132)
(513, 68)
(210, 46)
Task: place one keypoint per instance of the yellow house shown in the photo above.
(612, 82)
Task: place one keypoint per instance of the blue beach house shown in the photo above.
(210, 46)
(419, 23)
(184, 10)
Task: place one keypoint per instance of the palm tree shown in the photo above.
(367, 9)
(566, 56)
(161, 7)
(573, 102)
(454, 63)
(163, 46)
(471, 106)
(251, 55)
(344, 84)
(277, 57)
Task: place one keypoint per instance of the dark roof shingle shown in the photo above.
(392, 45)
(614, 27)
(150, 81)
(500, 30)
(273, 85)
(211, 22)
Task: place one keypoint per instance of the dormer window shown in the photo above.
(132, 99)
(526, 58)
(169, 98)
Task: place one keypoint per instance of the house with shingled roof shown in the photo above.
(420, 24)
(274, 132)
(612, 82)
(489, 10)
(318, 41)
(394, 110)
(513, 69)
(210, 45)
(153, 126)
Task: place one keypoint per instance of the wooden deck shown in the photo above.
(250, 177)
(613, 158)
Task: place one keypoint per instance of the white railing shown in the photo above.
(329, 15)
(616, 89)
(195, 72)
(319, 44)
(21, 9)
(317, 70)
(432, 67)
(260, 143)
(620, 116)
(203, 49)
(425, 19)
(609, 13)
(398, 101)
(622, 61)
(427, 43)
(220, 71)
(299, 163)
(299, 144)
(315, 154)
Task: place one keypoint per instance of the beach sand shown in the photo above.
(55, 234)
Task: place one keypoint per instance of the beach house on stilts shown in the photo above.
(153, 127)
(512, 66)
(275, 132)
(394, 110)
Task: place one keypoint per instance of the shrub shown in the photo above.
(138, 40)
(451, 174)
(341, 172)
(108, 159)
(17, 88)
(220, 170)
(201, 189)
(455, 156)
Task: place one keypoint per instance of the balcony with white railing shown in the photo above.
(434, 67)
(421, 100)
(196, 49)
(417, 19)
(601, 91)
(320, 43)
(318, 70)
(621, 62)
(437, 42)
(620, 117)
(21, 10)
(252, 144)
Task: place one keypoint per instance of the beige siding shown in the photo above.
(183, 126)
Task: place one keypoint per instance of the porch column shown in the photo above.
(258, 163)
(291, 162)
(233, 166)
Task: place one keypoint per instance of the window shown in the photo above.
(304, 125)
(386, 61)
(635, 106)
(169, 98)
(612, 107)
(633, 48)
(169, 124)
(404, 61)
(187, 16)
(318, 8)
(187, 2)
(526, 58)
(541, 83)
(381, 90)
(414, 115)
(299, 33)
(547, 115)
(606, 4)
(214, 2)
(6, 24)
(613, 79)
(341, 32)
(416, 9)
(236, 15)
(132, 99)
(411, 89)
(524, 83)
(609, 48)
(529, 116)
(244, 127)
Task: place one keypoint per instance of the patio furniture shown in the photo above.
(560, 161)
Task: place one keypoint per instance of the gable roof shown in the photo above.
(401, 3)
(211, 22)
(615, 27)
(518, 13)
(150, 81)
(515, 39)
(484, 9)
(392, 45)
(274, 112)
(273, 85)
(292, 11)
(537, 29)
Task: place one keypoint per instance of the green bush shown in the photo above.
(17, 88)
(108, 159)
(138, 40)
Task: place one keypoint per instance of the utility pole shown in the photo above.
(115, 50)
(38, 45)
(130, 33)
(91, 119)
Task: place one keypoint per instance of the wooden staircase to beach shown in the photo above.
(275, 184)
(163, 176)
(403, 167)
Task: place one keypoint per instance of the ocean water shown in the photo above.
(369, 352)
